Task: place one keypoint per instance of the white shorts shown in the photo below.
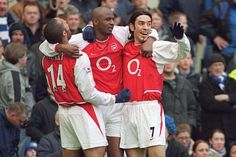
(81, 127)
(142, 125)
(112, 118)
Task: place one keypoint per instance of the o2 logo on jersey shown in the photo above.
(133, 67)
(108, 66)
(60, 79)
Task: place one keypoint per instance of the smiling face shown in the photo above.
(141, 28)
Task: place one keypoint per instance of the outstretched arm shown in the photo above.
(165, 52)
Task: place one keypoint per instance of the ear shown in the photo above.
(95, 22)
(64, 34)
(131, 26)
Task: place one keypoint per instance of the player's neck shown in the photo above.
(101, 37)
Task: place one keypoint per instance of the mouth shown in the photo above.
(110, 28)
(145, 33)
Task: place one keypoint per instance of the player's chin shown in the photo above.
(109, 30)
(143, 39)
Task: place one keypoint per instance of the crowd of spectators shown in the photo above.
(201, 102)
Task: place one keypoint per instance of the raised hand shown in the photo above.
(123, 96)
(177, 30)
(89, 34)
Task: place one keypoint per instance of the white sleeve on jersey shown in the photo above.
(49, 49)
(154, 34)
(165, 52)
(121, 33)
(86, 85)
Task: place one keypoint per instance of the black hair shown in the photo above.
(133, 17)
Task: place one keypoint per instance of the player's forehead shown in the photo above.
(107, 14)
(143, 18)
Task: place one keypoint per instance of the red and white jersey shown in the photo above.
(105, 57)
(143, 76)
(106, 63)
(71, 81)
(140, 75)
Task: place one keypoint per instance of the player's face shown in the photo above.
(141, 28)
(105, 23)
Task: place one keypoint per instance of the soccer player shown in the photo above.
(143, 125)
(105, 55)
(72, 84)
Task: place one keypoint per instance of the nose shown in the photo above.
(111, 21)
